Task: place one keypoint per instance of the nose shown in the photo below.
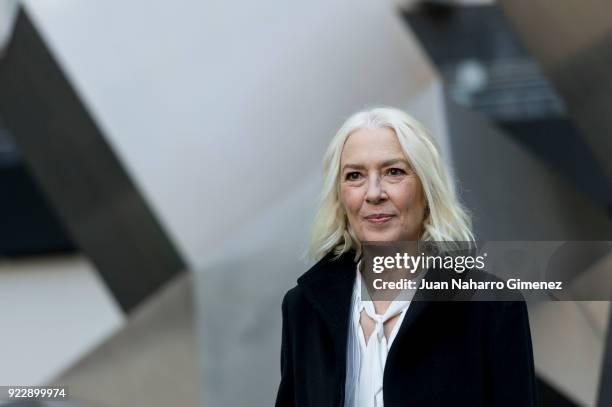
(375, 192)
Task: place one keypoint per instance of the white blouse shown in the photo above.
(366, 362)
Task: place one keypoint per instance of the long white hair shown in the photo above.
(447, 220)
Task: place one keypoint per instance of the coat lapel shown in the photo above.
(420, 303)
(423, 300)
(413, 313)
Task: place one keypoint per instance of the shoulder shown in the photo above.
(293, 299)
(502, 318)
(488, 303)
(319, 272)
(319, 281)
(507, 312)
(330, 266)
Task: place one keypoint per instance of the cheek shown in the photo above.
(409, 196)
(351, 198)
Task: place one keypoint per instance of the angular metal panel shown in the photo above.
(513, 195)
(605, 382)
(572, 41)
(66, 151)
(151, 362)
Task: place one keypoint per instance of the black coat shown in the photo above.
(445, 353)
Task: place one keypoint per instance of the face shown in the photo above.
(382, 195)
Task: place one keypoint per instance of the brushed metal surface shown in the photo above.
(605, 381)
(572, 41)
(152, 362)
(513, 195)
(67, 153)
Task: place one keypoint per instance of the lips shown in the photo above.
(379, 218)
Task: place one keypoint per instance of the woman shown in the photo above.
(384, 180)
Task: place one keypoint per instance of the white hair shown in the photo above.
(447, 220)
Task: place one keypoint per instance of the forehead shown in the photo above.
(371, 145)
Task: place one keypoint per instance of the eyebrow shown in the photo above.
(383, 164)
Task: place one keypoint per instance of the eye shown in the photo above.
(352, 176)
(395, 172)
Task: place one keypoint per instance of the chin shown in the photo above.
(381, 237)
